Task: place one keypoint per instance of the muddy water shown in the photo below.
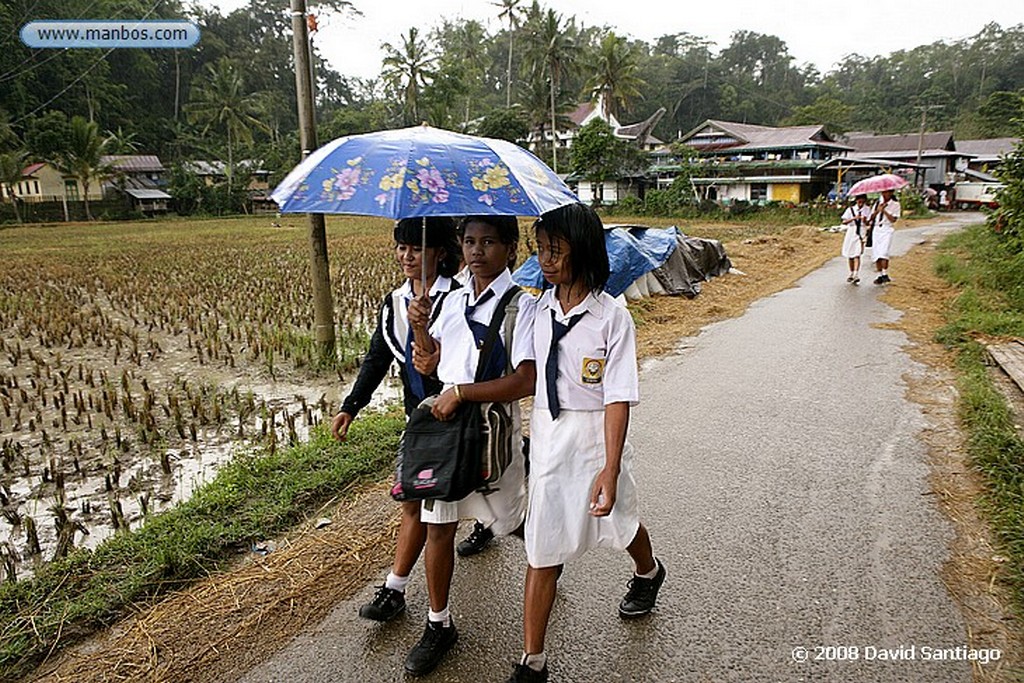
(133, 479)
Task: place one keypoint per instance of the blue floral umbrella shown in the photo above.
(421, 171)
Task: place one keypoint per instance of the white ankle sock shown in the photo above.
(535, 662)
(444, 616)
(651, 574)
(396, 583)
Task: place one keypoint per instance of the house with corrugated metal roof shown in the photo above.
(936, 153)
(139, 178)
(747, 162)
(44, 182)
(986, 155)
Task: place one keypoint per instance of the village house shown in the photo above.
(258, 186)
(936, 156)
(985, 155)
(43, 182)
(139, 178)
(609, 191)
(746, 162)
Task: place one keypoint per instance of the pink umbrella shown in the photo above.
(886, 181)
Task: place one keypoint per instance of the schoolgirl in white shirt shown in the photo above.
(885, 214)
(391, 343)
(857, 219)
(488, 244)
(582, 491)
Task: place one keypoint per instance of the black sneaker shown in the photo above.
(433, 646)
(642, 594)
(524, 674)
(882, 279)
(476, 542)
(387, 604)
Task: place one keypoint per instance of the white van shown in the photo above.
(977, 195)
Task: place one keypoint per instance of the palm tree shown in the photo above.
(82, 154)
(616, 77)
(120, 142)
(408, 70)
(11, 166)
(553, 47)
(220, 101)
(509, 10)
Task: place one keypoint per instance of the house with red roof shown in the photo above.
(43, 182)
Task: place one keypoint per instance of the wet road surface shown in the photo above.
(787, 495)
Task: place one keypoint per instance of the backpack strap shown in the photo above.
(492, 330)
(511, 312)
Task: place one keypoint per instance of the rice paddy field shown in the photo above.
(136, 357)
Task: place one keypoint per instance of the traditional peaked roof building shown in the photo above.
(742, 161)
(586, 112)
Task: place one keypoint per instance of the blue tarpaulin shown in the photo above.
(634, 251)
(630, 256)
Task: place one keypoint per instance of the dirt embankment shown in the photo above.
(229, 623)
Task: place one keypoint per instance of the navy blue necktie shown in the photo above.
(494, 365)
(415, 378)
(479, 329)
(558, 330)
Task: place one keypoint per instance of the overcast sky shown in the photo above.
(821, 33)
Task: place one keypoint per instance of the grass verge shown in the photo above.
(990, 305)
(258, 495)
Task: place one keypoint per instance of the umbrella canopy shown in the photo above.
(421, 171)
(886, 181)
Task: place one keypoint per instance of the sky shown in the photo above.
(820, 33)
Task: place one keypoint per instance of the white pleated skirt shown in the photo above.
(566, 455)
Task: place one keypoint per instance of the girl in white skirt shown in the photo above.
(582, 492)
(856, 218)
(581, 489)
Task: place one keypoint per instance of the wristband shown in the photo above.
(458, 392)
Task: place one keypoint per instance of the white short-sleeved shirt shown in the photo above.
(399, 314)
(852, 211)
(883, 223)
(453, 332)
(596, 358)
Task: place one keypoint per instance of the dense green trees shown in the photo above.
(532, 70)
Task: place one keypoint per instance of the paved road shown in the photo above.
(787, 495)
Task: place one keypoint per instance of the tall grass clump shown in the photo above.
(986, 263)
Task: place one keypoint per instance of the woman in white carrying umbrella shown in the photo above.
(884, 217)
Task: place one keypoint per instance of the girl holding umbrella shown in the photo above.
(392, 342)
(884, 217)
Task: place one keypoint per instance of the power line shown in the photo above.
(80, 76)
(13, 73)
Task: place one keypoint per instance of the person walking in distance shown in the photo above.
(856, 219)
(884, 216)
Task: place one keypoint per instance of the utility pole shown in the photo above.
(920, 138)
(323, 302)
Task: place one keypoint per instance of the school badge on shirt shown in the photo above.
(593, 370)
